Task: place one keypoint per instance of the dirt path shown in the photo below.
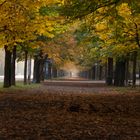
(69, 112)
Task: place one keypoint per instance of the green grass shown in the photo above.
(127, 89)
(19, 86)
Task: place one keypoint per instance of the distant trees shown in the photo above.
(110, 36)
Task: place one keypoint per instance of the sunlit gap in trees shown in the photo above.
(71, 70)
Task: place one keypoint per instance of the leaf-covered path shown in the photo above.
(55, 111)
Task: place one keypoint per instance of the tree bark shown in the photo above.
(7, 68)
(13, 67)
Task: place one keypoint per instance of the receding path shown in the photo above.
(78, 86)
(84, 86)
(70, 110)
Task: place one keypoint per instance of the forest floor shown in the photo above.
(70, 111)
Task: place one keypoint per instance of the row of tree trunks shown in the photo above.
(95, 73)
(39, 68)
(121, 74)
(9, 69)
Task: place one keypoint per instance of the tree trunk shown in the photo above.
(89, 74)
(38, 75)
(100, 72)
(54, 71)
(109, 79)
(25, 67)
(13, 67)
(93, 72)
(29, 70)
(42, 69)
(39, 67)
(50, 71)
(127, 72)
(35, 69)
(134, 67)
(105, 75)
(119, 79)
(96, 71)
(7, 68)
(139, 75)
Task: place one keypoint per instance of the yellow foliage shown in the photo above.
(121, 49)
(101, 26)
(124, 10)
(20, 20)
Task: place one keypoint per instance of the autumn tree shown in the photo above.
(21, 21)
